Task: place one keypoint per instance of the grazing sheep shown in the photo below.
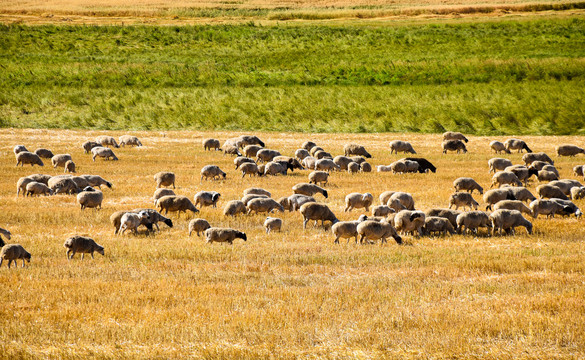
(382, 210)
(154, 217)
(347, 229)
(569, 150)
(40, 178)
(63, 185)
(569, 207)
(292, 161)
(105, 140)
(37, 188)
(245, 140)
(316, 211)
(223, 235)
(308, 145)
(404, 166)
(462, 199)
(544, 175)
(532, 157)
(272, 224)
(116, 220)
(25, 157)
(357, 200)
(13, 252)
(90, 199)
(499, 147)
(577, 193)
(448, 214)
(550, 168)
(452, 135)
(251, 150)
(318, 177)
(274, 168)
(231, 150)
(505, 177)
(453, 145)
(81, 182)
(538, 165)
(491, 197)
(164, 178)
(365, 167)
(550, 191)
(472, 220)
(69, 166)
(408, 221)
(131, 221)
(83, 245)
(520, 193)
(342, 161)
(322, 154)
(578, 170)
(5, 233)
(21, 185)
(354, 168)
(516, 144)
(498, 164)
(374, 230)
(44, 153)
(247, 198)
(309, 162)
(326, 165)
(234, 207)
(424, 166)
(508, 220)
(240, 160)
(401, 200)
(522, 172)
(206, 198)
(175, 203)
(309, 189)
(96, 180)
(258, 191)
(565, 185)
(435, 224)
(213, 172)
(357, 159)
(249, 169)
(266, 155)
(198, 225)
(103, 152)
(294, 202)
(301, 154)
(513, 205)
(130, 140)
(261, 205)
(19, 148)
(385, 196)
(210, 144)
(547, 207)
(397, 146)
(354, 149)
(383, 168)
(467, 184)
(88, 145)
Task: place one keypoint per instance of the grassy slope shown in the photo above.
(485, 78)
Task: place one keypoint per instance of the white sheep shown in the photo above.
(326, 165)
(498, 164)
(272, 224)
(353, 168)
(499, 147)
(397, 146)
(382, 210)
(261, 205)
(158, 193)
(247, 198)
(550, 191)
(516, 144)
(90, 199)
(532, 157)
(106, 140)
(453, 145)
(505, 177)
(347, 229)
(448, 214)
(309, 162)
(365, 167)
(401, 200)
(175, 203)
(212, 171)
(577, 193)
(164, 178)
(266, 155)
(44, 153)
(25, 157)
(103, 152)
(130, 140)
(251, 150)
(249, 169)
(355, 149)
(374, 230)
(309, 189)
(318, 177)
(409, 221)
(19, 148)
(508, 220)
(37, 188)
(547, 207)
(234, 207)
(467, 184)
(385, 196)
(198, 225)
(358, 200)
(131, 221)
(472, 220)
(462, 199)
(88, 145)
(295, 201)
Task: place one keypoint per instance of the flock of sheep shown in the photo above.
(396, 214)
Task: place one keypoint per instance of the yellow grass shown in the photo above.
(286, 295)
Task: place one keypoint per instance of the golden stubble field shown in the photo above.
(292, 294)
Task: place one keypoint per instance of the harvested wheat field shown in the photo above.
(288, 294)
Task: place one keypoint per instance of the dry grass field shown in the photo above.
(292, 294)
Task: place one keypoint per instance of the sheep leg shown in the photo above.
(361, 239)
(9, 261)
(305, 221)
(1, 259)
(67, 254)
(92, 255)
(82, 256)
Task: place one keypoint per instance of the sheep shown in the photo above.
(40, 178)
(274, 168)
(578, 170)
(316, 211)
(81, 182)
(499, 147)
(342, 161)
(424, 166)
(453, 145)
(234, 207)
(164, 178)
(212, 171)
(105, 140)
(491, 197)
(520, 193)
(544, 175)
(318, 177)
(357, 200)
(577, 193)
(549, 191)
(272, 224)
(401, 200)
(153, 218)
(69, 166)
(513, 205)
(292, 161)
(223, 235)
(365, 167)
(385, 196)
(309, 189)
(198, 225)
(90, 199)
(81, 244)
(569, 207)
(321, 154)
(19, 148)
(404, 166)
(354, 168)
(44, 153)
(25, 157)
(175, 203)
(63, 185)
(263, 205)
(347, 229)
(247, 198)
(88, 145)
(550, 168)
(498, 164)
(354, 149)
(295, 201)
(326, 165)
(532, 157)
(6, 233)
(21, 185)
(468, 184)
(383, 168)
(522, 172)
(408, 221)
(206, 198)
(249, 169)
(472, 220)
(448, 214)
(565, 185)
(240, 160)
(266, 155)
(505, 177)
(382, 210)
(374, 230)
(231, 150)
(516, 144)
(258, 191)
(452, 135)
(508, 220)
(538, 165)
(463, 199)
(103, 152)
(569, 150)
(435, 224)
(96, 180)
(130, 140)
(13, 252)
(37, 188)
(251, 150)
(357, 159)
(308, 145)
(131, 221)
(301, 154)
(116, 220)
(245, 140)
(401, 146)
(309, 162)
(547, 207)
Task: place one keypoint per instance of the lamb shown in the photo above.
(326, 165)
(342, 161)
(308, 145)
(516, 144)
(569, 207)
(105, 140)
(96, 180)
(404, 166)
(130, 140)
(63, 185)
(272, 224)
(453, 145)
(131, 221)
(19, 148)
(452, 135)
(513, 205)
(498, 164)
(401, 146)
(365, 167)
(309, 162)
(231, 150)
(164, 178)
(90, 199)
(154, 217)
(408, 221)
(522, 172)
(357, 200)
(401, 200)
(37, 188)
(577, 193)
(499, 147)
(103, 152)
(354, 168)
(206, 198)
(13, 252)
(382, 210)
(383, 168)
(44, 153)
(448, 214)
(70, 166)
(316, 211)
(240, 160)
(294, 202)
(322, 154)
(116, 220)
(374, 230)
(60, 160)
(249, 169)
(578, 170)
(88, 145)
(467, 184)
(251, 151)
(301, 154)
(549, 191)
(544, 175)
(223, 235)
(520, 193)
(435, 224)
(266, 155)
(234, 207)
(424, 166)
(508, 220)
(491, 197)
(547, 207)
(462, 199)
(263, 205)
(247, 198)
(212, 171)
(245, 140)
(258, 191)
(505, 177)
(274, 168)
(385, 196)
(347, 229)
(354, 149)
(25, 157)
(198, 225)
(472, 220)
(530, 158)
(175, 203)
(309, 189)
(569, 150)
(83, 245)
(318, 177)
